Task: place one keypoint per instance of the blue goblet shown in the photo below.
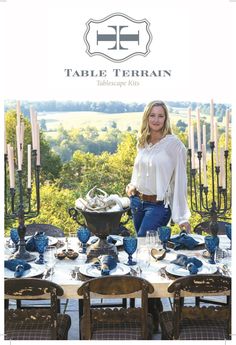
(41, 242)
(164, 233)
(15, 237)
(211, 244)
(130, 245)
(228, 233)
(83, 235)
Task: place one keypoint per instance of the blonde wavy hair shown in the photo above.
(144, 133)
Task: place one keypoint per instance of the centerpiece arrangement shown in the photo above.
(102, 214)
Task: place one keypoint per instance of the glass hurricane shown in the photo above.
(211, 244)
(164, 233)
(83, 235)
(130, 245)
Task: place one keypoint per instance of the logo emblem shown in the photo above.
(117, 37)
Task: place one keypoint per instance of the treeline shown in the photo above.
(111, 107)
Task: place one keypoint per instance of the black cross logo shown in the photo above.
(117, 37)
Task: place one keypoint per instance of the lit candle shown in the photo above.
(204, 135)
(204, 165)
(29, 166)
(212, 118)
(189, 128)
(227, 129)
(192, 146)
(216, 142)
(198, 130)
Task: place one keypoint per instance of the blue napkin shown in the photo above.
(111, 240)
(17, 265)
(105, 263)
(184, 241)
(190, 263)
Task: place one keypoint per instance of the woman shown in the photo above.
(158, 188)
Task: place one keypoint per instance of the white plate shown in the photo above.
(198, 238)
(32, 272)
(180, 271)
(51, 240)
(91, 271)
(119, 240)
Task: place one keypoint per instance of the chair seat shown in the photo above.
(194, 329)
(36, 330)
(119, 331)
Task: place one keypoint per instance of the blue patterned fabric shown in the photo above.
(184, 241)
(17, 265)
(191, 263)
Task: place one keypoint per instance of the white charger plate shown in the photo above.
(196, 237)
(180, 271)
(91, 271)
(117, 238)
(34, 271)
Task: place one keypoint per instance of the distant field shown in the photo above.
(83, 119)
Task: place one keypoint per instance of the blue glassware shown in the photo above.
(15, 237)
(211, 244)
(164, 233)
(228, 233)
(41, 242)
(83, 235)
(130, 245)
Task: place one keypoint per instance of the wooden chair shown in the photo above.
(204, 227)
(115, 323)
(50, 230)
(35, 324)
(197, 323)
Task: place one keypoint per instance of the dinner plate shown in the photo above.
(91, 271)
(180, 271)
(196, 237)
(34, 271)
(117, 238)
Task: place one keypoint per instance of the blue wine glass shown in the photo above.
(211, 244)
(228, 233)
(164, 233)
(15, 237)
(83, 235)
(41, 242)
(130, 245)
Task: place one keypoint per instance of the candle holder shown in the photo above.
(21, 197)
(220, 202)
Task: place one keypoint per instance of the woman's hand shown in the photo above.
(130, 189)
(185, 226)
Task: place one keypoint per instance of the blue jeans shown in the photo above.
(148, 215)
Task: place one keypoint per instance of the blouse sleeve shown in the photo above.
(178, 189)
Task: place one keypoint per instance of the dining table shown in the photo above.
(70, 274)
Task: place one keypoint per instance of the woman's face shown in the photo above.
(156, 118)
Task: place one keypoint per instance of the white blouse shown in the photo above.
(160, 170)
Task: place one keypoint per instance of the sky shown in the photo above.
(195, 39)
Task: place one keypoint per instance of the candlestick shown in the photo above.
(198, 130)
(11, 165)
(38, 144)
(212, 119)
(192, 146)
(204, 135)
(221, 167)
(18, 146)
(216, 142)
(189, 128)
(204, 165)
(227, 129)
(29, 166)
(33, 118)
